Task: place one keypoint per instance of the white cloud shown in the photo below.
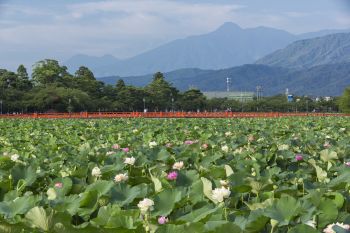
(123, 28)
(148, 17)
(295, 14)
(160, 7)
(128, 27)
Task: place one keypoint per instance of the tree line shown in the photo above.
(51, 88)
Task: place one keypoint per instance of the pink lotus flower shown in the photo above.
(126, 149)
(347, 164)
(298, 157)
(205, 146)
(251, 138)
(116, 146)
(327, 145)
(189, 142)
(172, 175)
(162, 220)
(59, 185)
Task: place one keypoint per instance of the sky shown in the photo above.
(37, 29)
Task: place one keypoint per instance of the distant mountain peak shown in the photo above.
(228, 26)
(229, 45)
(307, 53)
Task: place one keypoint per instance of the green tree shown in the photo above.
(49, 71)
(8, 79)
(344, 101)
(58, 98)
(22, 73)
(130, 98)
(86, 81)
(23, 79)
(192, 100)
(160, 93)
(120, 85)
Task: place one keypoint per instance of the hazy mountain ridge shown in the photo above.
(228, 46)
(330, 49)
(90, 61)
(320, 80)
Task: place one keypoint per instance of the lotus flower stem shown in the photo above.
(146, 223)
(225, 213)
(303, 188)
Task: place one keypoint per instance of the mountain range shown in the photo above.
(323, 80)
(329, 49)
(228, 46)
(318, 66)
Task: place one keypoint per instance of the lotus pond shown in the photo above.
(175, 175)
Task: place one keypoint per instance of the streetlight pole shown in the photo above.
(172, 104)
(69, 106)
(144, 104)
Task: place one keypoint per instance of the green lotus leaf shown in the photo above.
(38, 217)
(185, 228)
(328, 212)
(199, 214)
(112, 216)
(328, 155)
(102, 187)
(164, 202)
(302, 228)
(123, 194)
(283, 210)
(208, 189)
(19, 205)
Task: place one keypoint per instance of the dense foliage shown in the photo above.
(53, 88)
(174, 175)
(344, 101)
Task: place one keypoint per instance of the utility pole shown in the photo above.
(258, 92)
(228, 83)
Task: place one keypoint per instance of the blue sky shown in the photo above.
(37, 29)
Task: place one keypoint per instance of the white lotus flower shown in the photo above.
(178, 165)
(110, 153)
(121, 177)
(224, 148)
(260, 139)
(220, 193)
(228, 134)
(224, 182)
(152, 144)
(96, 172)
(15, 157)
(145, 205)
(329, 228)
(135, 131)
(311, 223)
(283, 147)
(130, 161)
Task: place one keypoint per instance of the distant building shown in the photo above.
(328, 98)
(232, 95)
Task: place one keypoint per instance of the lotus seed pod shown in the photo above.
(273, 222)
(103, 201)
